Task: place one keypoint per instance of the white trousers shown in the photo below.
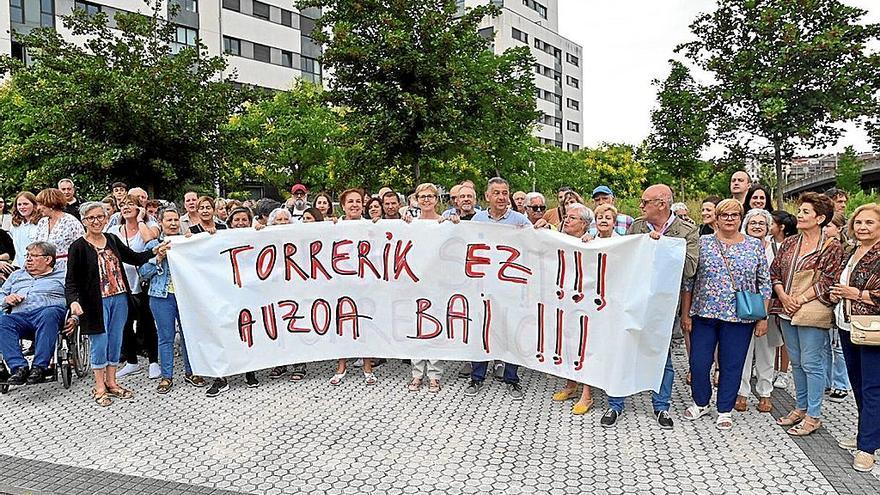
(764, 355)
(434, 370)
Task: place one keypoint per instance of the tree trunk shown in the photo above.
(780, 183)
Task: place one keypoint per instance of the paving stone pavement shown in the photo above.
(310, 437)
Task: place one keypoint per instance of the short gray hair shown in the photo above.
(532, 195)
(678, 206)
(278, 211)
(47, 248)
(586, 213)
(497, 180)
(757, 212)
(91, 205)
(62, 181)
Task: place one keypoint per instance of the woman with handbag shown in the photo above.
(803, 271)
(721, 308)
(858, 317)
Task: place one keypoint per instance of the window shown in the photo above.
(186, 36)
(548, 48)
(286, 18)
(189, 5)
(47, 13)
(232, 46)
(537, 7)
(232, 5)
(286, 58)
(573, 60)
(519, 35)
(90, 8)
(261, 10)
(16, 11)
(573, 147)
(574, 126)
(262, 53)
(572, 81)
(310, 65)
(573, 104)
(548, 72)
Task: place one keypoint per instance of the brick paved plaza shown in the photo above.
(309, 437)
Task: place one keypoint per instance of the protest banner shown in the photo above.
(599, 312)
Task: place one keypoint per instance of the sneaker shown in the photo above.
(250, 378)
(465, 370)
(36, 376)
(863, 462)
(473, 388)
(838, 395)
(514, 390)
(128, 369)
(848, 443)
(219, 386)
(781, 381)
(664, 420)
(19, 377)
(609, 418)
(195, 380)
(154, 371)
(277, 372)
(358, 363)
(498, 371)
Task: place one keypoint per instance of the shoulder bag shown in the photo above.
(814, 313)
(749, 305)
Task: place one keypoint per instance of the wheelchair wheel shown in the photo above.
(79, 353)
(4, 375)
(66, 374)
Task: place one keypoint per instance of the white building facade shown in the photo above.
(558, 69)
(267, 42)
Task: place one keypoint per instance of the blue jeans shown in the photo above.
(835, 365)
(41, 325)
(862, 363)
(732, 341)
(106, 347)
(478, 372)
(660, 399)
(166, 314)
(806, 350)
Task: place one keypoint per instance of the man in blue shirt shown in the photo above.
(34, 299)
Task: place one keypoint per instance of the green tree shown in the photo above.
(422, 88)
(785, 71)
(292, 136)
(849, 171)
(680, 129)
(124, 103)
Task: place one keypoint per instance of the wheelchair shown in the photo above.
(71, 358)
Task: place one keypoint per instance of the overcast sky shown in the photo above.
(627, 44)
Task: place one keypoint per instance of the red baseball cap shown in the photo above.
(299, 188)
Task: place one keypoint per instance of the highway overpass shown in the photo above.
(822, 181)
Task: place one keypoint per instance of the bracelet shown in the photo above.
(804, 300)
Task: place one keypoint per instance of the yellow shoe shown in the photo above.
(565, 394)
(582, 407)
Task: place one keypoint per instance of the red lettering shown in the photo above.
(246, 327)
(290, 317)
(290, 265)
(346, 311)
(233, 260)
(400, 263)
(264, 269)
(269, 321)
(363, 251)
(385, 254)
(340, 256)
(316, 266)
(457, 310)
(423, 305)
(472, 260)
(321, 329)
(509, 264)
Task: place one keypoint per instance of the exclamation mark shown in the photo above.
(578, 277)
(540, 355)
(600, 281)
(582, 346)
(487, 322)
(560, 273)
(557, 357)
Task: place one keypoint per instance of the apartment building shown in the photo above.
(558, 67)
(268, 42)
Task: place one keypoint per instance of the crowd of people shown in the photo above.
(762, 290)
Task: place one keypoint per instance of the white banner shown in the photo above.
(600, 313)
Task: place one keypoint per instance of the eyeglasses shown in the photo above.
(421, 197)
(644, 202)
(537, 208)
(95, 218)
(30, 256)
(757, 223)
(728, 216)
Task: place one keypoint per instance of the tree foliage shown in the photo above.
(785, 71)
(422, 90)
(849, 171)
(124, 103)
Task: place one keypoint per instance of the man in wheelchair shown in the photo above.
(33, 305)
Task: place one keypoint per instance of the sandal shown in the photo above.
(164, 386)
(807, 426)
(687, 378)
(337, 378)
(120, 392)
(565, 394)
(415, 385)
(764, 405)
(433, 386)
(724, 421)
(298, 373)
(370, 378)
(792, 418)
(695, 412)
(715, 378)
(742, 404)
(102, 400)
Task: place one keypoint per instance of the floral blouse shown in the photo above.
(714, 294)
(66, 230)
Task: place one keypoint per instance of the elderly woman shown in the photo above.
(857, 293)
(352, 201)
(280, 216)
(163, 304)
(729, 262)
(784, 225)
(762, 349)
(136, 229)
(606, 216)
(207, 222)
(576, 222)
(97, 292)
(809, 254)
(56, 226)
